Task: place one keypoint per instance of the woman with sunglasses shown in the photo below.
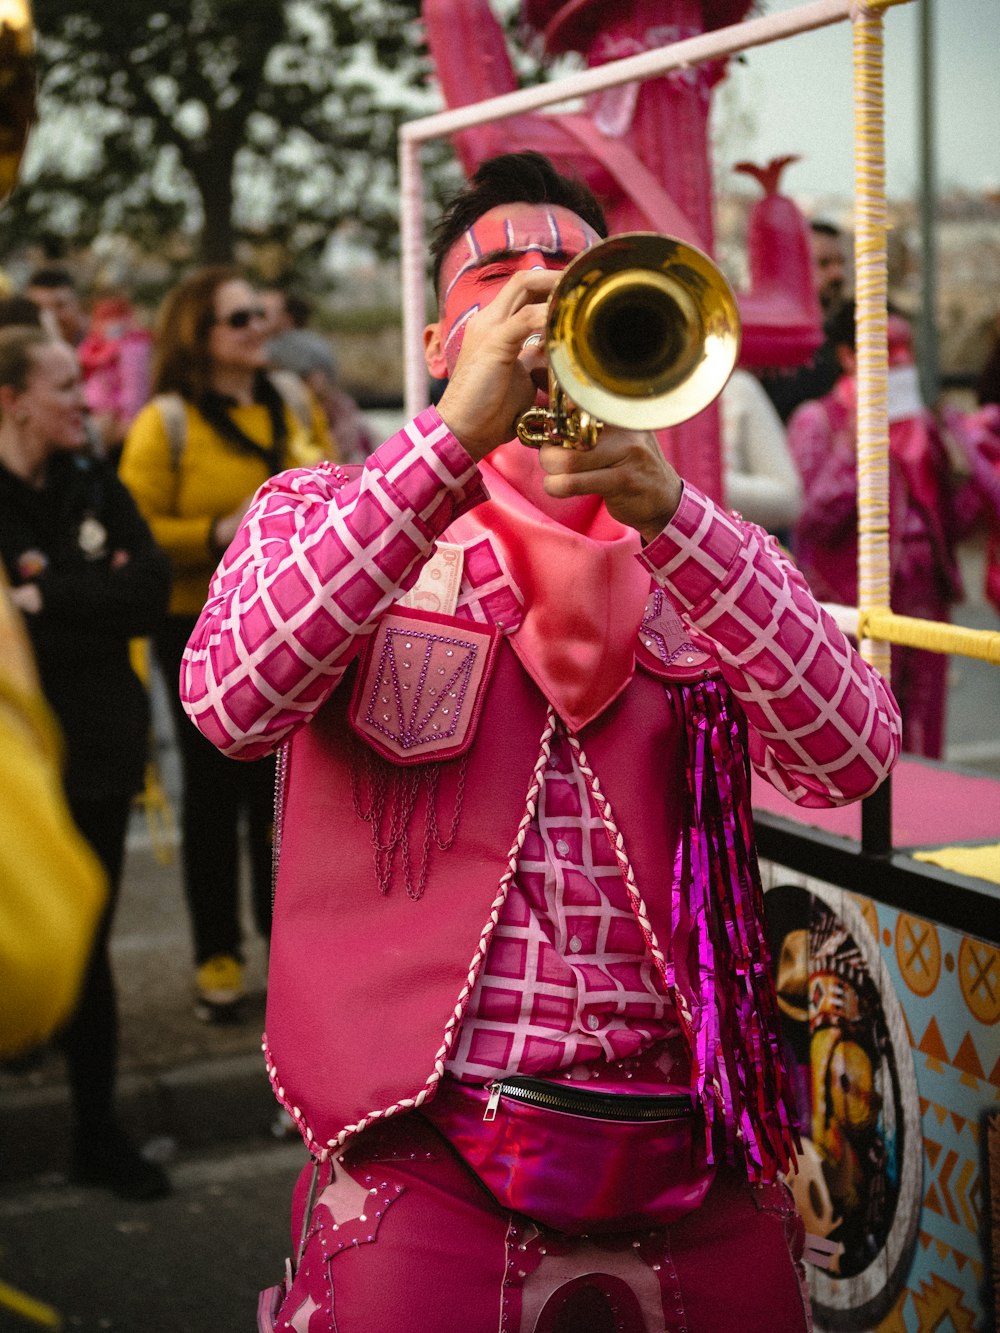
(218, 426)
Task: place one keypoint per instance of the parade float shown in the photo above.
(884, 918)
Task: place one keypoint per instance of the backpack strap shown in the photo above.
(295, 396)
(174, 417)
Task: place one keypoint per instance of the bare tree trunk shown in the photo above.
(214, 179)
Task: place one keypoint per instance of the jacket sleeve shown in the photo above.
(319, 557)
(760, 478)
(125, 591)
(824, 727)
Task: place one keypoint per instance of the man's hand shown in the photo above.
(627, 469)
(496, 378)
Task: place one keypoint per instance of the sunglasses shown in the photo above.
(241, 319)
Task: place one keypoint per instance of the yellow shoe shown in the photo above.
(219, 986)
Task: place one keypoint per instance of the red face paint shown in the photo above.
(507, 239)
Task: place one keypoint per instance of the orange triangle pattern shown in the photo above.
(933, 1151)
(938, 1305)
(932, 1201)
(932, 1043)
(894, 1321)
(967, 1058)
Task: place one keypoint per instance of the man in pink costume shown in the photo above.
(930, 509)
(644, 149)
(519, 695)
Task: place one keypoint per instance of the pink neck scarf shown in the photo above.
(584, 590)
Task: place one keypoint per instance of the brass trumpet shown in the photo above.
(642, 331)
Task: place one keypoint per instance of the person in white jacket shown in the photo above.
(759, 477)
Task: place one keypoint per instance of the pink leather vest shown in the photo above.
(366, 986)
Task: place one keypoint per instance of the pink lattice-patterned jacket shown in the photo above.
(304, 640)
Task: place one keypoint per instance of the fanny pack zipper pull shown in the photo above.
(491, 1106)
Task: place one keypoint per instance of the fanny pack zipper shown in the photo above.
(580, 1101)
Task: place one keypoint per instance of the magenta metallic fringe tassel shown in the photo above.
(735, 1019)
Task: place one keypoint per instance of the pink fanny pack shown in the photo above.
(574, 1159)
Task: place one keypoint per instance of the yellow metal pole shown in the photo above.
(934, 636)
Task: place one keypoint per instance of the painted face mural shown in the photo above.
(849, 1059)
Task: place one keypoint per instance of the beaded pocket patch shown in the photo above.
(419, 691)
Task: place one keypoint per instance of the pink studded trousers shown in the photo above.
(403, 1236)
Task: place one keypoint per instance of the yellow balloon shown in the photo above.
(17, 88)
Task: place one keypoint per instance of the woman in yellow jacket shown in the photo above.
(217, 428)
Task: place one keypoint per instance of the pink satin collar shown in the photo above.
(584, 594)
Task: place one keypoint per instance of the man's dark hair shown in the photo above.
(52, 276)
(821, 228)
(842, 326)
(299, 309)
(19, 310)
(988, 383)
(512, 178)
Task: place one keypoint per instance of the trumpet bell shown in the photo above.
(643, 331)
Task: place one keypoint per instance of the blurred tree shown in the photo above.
(219, 119)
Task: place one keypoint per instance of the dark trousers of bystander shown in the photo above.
(90, 1039)
(102, 1152)
(216, 792)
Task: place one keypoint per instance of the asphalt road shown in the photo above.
(190, 1263)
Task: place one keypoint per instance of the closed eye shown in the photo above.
(495, 272)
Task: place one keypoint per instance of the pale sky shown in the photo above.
(797, 97)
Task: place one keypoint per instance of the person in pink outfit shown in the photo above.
(930, 508)
(116, 358)
(985, 425)
(517, 698)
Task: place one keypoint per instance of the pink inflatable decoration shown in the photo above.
(643, 148)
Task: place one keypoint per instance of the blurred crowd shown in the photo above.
(128, 456)
(130, 450)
